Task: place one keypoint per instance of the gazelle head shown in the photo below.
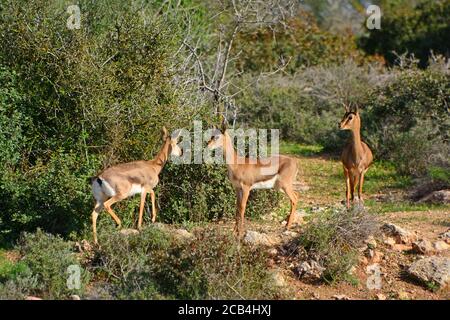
(172, 141)
(218, 137)
(351, 119)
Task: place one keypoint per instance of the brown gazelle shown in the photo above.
(356, 156)
(127, 179)
(246, 174)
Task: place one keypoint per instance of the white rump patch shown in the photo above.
(267, 184)
(135, 188)
(102, 191)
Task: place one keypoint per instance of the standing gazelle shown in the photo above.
(356, 156)
(245, 174)
(127, 179)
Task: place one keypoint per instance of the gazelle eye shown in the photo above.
(350, 118)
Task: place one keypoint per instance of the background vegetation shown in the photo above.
(73, 102)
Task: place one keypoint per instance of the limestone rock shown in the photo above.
(400, 235)
(423, 247)
(432, 269)
(437, 197)
(310, 270)
(256, 238)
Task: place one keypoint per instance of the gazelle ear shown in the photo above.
(224, 124)
(165, 133)
(346, 108)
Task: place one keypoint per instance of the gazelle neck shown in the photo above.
(357, 148)
(231, 156)
(162, 156)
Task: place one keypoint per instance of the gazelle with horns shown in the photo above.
(356, 156)
(245, 174)
(127, 179)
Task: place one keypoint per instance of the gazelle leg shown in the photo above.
(347, 188)
(98, 207)
(238, 203)
(361, 182)
(353, 181)
(152, 195)
(242, 206)
(294, 199)
(108, 205)
(141, 207)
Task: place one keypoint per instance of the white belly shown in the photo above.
(135, 188)
(267, 184)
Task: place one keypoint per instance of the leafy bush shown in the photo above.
(43, 269)
(408, 121)
(332, 239)
(155, 265)
(415, 27)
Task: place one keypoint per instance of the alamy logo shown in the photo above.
(73, 280)
(374, 17)
(74, 20)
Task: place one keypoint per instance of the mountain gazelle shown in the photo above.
(127, 179)
(277, 172)
(356, 156)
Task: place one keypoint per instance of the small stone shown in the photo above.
(278, 278)
(341, 297)
(389, 241)
(272, 252)
(380, 296)
(291, 234)
(32, 298)
(75, 297)
(402, 247)
(437, 197)
(402, 295)
(310, 270)
(445, 236)
(371, 242)
(422, 247)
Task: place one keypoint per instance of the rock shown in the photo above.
(445, 236)
(380, 296)
(428, 248)
(400, 235)
(290, 234)
(422, 247)
(371, 242)
(183, 235)
(374, 256)
(437, 197)
(32, 298)
(256, 238)
(389, 241)
(272, 252)
(402, 247)
(341, 297)
(402, 295)
(278, 278)
(441, 246)
(432, 269)
(128, 232)
(310, 270)
(75, 297)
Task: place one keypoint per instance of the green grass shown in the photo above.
(299, 149)
(8, 269)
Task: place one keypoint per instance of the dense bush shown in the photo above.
(43, 269)
(408, 121)
(155, 265)
(415, 27)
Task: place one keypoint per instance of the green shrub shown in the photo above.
(48, 258)
(332, 238)
(408, 121)
(156, 265)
